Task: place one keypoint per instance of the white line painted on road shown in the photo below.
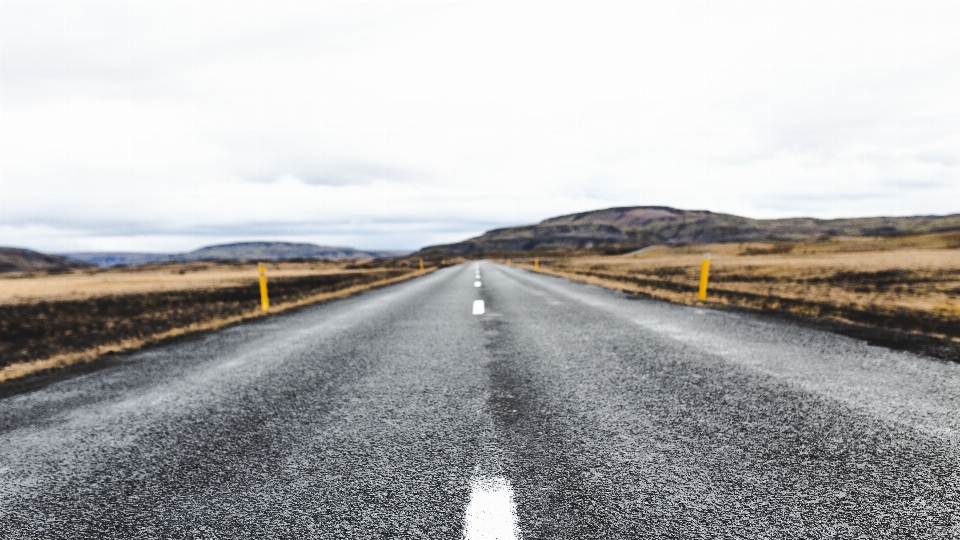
(478, 307)
(490, 513)
(476, 283)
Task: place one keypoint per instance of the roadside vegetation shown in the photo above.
(904, 283)
(54, 320)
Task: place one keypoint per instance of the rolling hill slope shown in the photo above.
(25, 260)
(247, 251)
(640, 226)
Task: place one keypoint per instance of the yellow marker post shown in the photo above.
(536, 263)
(264, 299)
(704, 276)
(421, 265)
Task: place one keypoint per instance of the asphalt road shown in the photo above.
(563, 411)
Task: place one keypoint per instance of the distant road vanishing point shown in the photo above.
(552, 410)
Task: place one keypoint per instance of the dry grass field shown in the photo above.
(904, 283)
(152, 279)
(51, 321)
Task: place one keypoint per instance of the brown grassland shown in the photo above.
(909, 283)
(52, 321)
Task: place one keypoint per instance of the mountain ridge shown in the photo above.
(262, 251)
(26, 260)
(634, 227)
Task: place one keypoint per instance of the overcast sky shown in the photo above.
(167, 125)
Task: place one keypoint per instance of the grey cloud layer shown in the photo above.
(124, 119)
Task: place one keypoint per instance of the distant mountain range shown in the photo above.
(627, 228)
(641, 226)
(246, 251)
(24, 260)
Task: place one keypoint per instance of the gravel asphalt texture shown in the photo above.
(611, 417)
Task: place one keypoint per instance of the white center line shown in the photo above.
(490, 513)
(476, 283)
(478, 307)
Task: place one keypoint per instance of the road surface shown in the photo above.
(559, 411)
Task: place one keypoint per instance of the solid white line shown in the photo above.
(476, 283)
(478, 307)
(490, 513)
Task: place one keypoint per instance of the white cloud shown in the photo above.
(168, 125)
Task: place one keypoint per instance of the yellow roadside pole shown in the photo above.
(264, 299)
(704, 276)
(536, 263)
(421, 265)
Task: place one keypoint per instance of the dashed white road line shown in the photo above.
(478, 307)
(490, 514)
(476, 283)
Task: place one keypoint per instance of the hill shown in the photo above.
(126, 258)
(24, 260)
(248, 251)
(640, 226)
(276, 251)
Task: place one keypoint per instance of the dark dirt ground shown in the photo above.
(43, 329)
